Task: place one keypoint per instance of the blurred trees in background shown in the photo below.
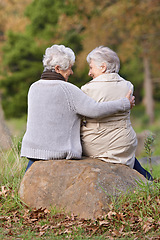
(131, 28)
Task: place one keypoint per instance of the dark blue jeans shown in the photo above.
(141, 170)
(31, 161)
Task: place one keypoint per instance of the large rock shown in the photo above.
(82, 187)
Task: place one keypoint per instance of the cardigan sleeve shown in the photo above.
(86, 106)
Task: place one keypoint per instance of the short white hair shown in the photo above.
(58, 55)
(102, 55)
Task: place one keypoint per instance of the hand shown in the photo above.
(131, 99)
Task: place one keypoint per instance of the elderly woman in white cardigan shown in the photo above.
(55, 108)
(110, 138)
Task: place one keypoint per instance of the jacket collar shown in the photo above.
(108, 77)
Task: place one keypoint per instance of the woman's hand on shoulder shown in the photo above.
(131, 98)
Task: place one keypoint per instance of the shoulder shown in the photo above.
(71, 90)
(127, 83)
(87, 86)
(69, 86)
(34, 85)
(39, 83)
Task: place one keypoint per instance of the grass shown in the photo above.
(140, 123)
(11, 164)
(17, 126)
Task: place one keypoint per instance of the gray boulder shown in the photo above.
(82, 187)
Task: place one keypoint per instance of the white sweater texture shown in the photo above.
(55, 109)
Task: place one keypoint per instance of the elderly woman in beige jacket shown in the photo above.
(111, 139)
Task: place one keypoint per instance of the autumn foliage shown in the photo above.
(131, 28)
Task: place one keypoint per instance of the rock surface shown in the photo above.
(82, 187)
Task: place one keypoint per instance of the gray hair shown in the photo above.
(102, 55)
(58, 55)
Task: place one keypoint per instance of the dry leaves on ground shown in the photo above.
(124, 223)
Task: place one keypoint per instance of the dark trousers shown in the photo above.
(141, 170)
(31, 161)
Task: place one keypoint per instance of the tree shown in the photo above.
(8, 11)
(84, 25)
(135, 27)
(22, 67)
(5, 137)
(23, 52)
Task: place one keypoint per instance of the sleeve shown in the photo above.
(86, 106)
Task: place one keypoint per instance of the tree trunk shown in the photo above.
(148, 90)
(5, 137)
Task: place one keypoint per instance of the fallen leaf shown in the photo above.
(110, 214)
(116, 233)
(4, 218)
(4, 191)
(104, 223)
(41, 233)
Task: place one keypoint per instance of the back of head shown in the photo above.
(102, 55)
(58, 55)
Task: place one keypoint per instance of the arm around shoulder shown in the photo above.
(86, 106)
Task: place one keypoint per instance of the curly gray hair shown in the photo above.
(58, 55)
(102, 55)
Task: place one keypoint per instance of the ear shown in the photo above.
(57, 69)
(104, 67)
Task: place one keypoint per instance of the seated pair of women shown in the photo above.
(56, 107)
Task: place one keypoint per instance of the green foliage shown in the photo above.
(73, 40)
(132, 70)
(79, 25)
(23, 67)
(20, 52)
(44, 16)
(22, 58)
(156, 91)
(15, 88)
(148, 143)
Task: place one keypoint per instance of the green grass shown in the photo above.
(11, 164)
(140, 123)
(17, 126)
(155, 170)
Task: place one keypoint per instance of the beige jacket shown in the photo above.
(111, 139)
